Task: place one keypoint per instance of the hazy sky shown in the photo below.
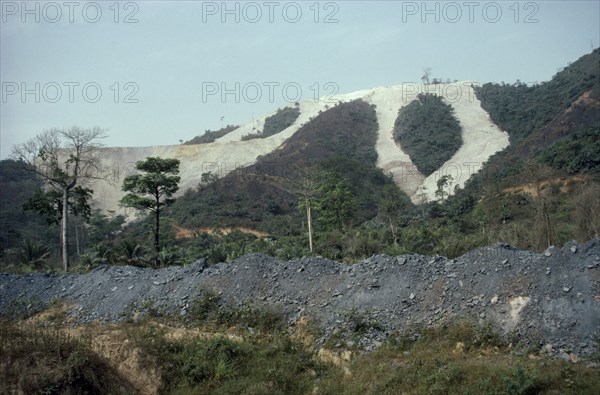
(160, 77)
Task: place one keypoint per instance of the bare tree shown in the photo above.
(63, 159)
(303, 181)
(587, 212)
(426, 75)
(544, 232)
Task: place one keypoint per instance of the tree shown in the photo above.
(153, 190)
(337, 204)
(426, 75)
(50, 204)
(535, 173)
(393, 202)
(442, 183)
(480, 217)
(587, 212)
(63, 159)
(304, 183)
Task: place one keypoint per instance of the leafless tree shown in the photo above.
(587, 212)
(426, 75)
(63, 159)
(535, 174)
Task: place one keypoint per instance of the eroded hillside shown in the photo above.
(231, 152)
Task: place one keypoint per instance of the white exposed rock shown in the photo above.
(481, 139)
(516, 306)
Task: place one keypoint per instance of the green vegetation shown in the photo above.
(276, 123)
(338, 144)
(541, 191)
(281, 120)
(428, 132)
(159, 182)
(522, 109)
(210, 356)
(63, 159)
(458, 359)
(209, 309)
(579, 153)
(210, 136)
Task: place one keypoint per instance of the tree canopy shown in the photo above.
(152, 189)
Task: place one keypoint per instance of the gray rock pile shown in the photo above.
(549, 300)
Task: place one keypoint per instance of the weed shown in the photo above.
(47, 361)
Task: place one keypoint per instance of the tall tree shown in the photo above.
(392, 203)
(152, 190)
(303, 181)
(442, 183)
(64, 159)
(535, 174)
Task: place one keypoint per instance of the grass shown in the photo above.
(458, 359)
(46, 361)
(271, 364)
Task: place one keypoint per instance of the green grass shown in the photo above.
(208, 309)
(266, 364)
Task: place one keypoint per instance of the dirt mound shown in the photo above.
(550, 300)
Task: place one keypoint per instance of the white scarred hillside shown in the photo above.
(480, 136)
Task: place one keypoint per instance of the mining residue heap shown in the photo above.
(550, 300)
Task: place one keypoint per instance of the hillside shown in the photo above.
(230, 152)
(339, 141)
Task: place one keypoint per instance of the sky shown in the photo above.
(155, 73)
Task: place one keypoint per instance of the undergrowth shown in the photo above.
(230, 353)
